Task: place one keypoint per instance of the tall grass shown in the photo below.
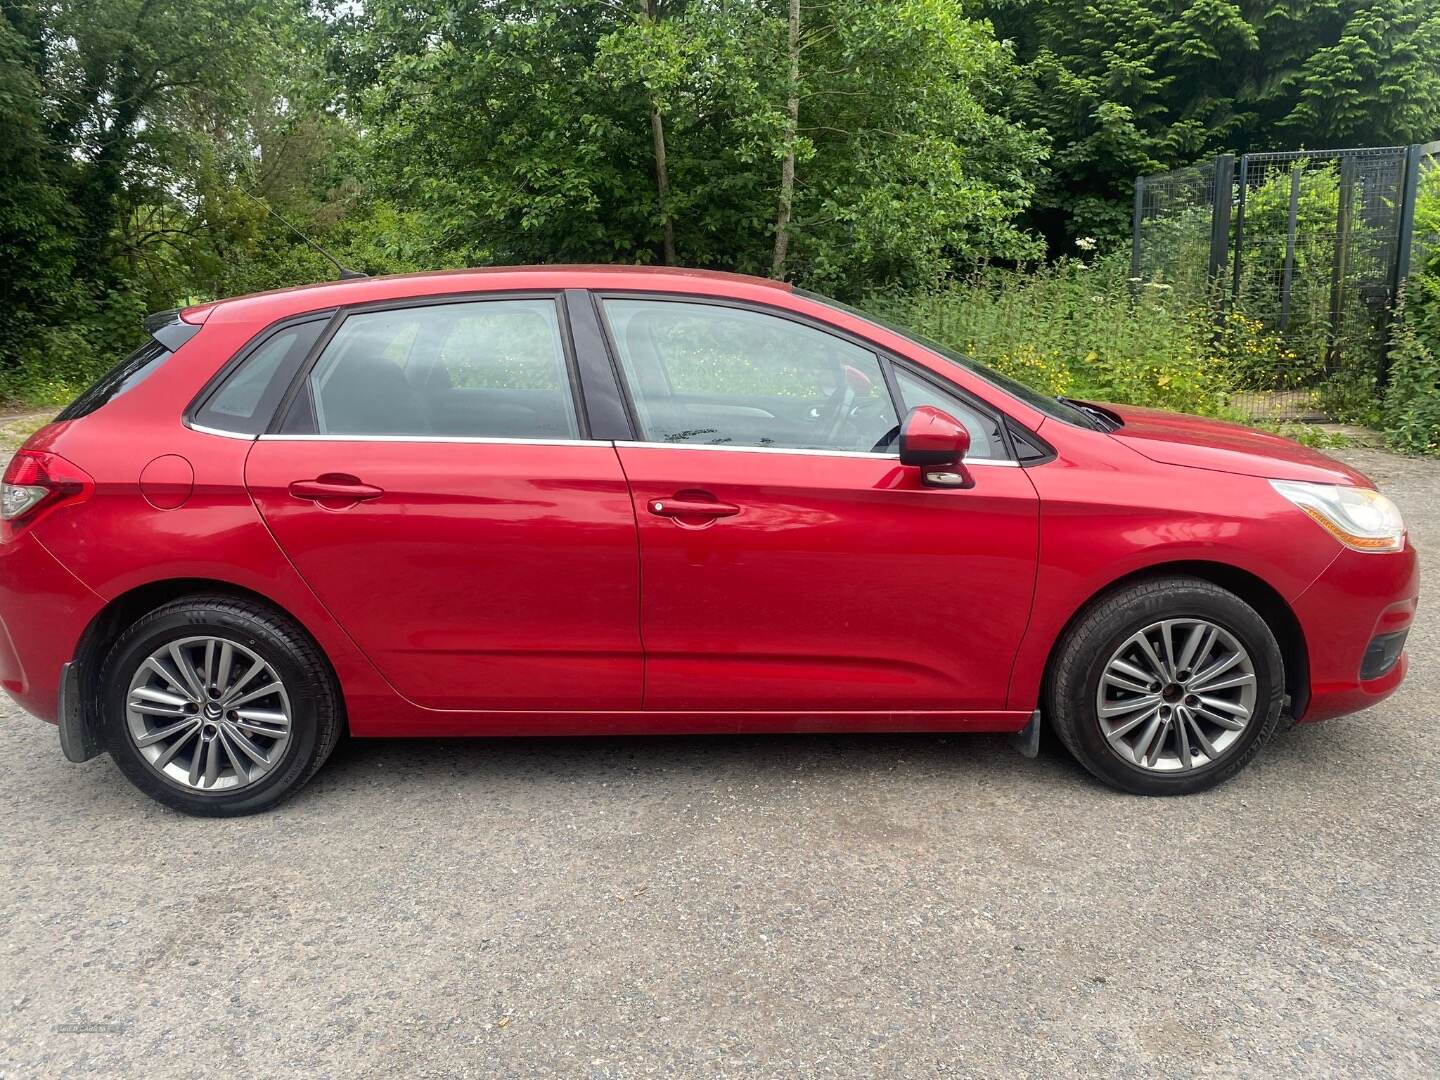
(1087, 330)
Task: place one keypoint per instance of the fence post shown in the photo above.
(1342, 254)
(1220, 214)
(1404, 241)
(1405, 235)
(1135, 225)
(1287, 278)
(1240, 225)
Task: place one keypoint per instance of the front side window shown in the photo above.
(478, 369)
(986, 440)
(703, 374)
(1053, 407)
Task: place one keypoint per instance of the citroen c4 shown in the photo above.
(590, 500)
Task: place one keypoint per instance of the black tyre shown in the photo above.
(1166, 687)
(217, 706)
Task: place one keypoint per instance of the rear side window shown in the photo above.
(474, 369)
(126, 375)
(247, 398)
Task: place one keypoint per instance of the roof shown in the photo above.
(279, 303)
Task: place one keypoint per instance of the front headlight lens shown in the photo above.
(1360, 518)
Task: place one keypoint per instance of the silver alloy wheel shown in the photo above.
(208, 714)
(1176, 695)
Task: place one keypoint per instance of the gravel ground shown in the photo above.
(807, 906)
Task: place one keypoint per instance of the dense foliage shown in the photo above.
(1126, 87)
(1410, 409)
(1082, 329)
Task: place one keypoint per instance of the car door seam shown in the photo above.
(639, 580)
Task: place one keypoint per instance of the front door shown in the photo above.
(790, 562)
(432, 484)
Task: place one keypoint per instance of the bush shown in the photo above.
(1087, 330)
(1410, 410)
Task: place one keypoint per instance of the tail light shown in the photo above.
(36, 481)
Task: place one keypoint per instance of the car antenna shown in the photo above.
(346, 274)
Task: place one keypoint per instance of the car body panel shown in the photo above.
(1199, 442)
(1358, 596)
(488, 575)
(33, 650)
(1108, 514)
(821, 591)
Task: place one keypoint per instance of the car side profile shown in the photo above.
(591, 500)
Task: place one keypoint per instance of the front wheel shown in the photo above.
(217, 706)
(1166, 687)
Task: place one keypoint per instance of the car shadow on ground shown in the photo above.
(974, 760)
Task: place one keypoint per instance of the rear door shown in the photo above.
(433, 481)
(790, 562)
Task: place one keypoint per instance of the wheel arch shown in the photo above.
(121, 611)
(1254, 590)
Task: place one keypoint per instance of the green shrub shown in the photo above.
(1087, 330)
(1410, 411)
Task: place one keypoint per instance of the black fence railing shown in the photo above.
(1311, 246)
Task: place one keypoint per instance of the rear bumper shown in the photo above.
(43, 611)
(1360, 597)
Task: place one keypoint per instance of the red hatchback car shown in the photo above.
(604, 500)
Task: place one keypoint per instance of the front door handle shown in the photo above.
(335, 487)
(682, 507)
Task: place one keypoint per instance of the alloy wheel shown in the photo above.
(209, 714)
(1177, 695)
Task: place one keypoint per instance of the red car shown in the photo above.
(592, 500)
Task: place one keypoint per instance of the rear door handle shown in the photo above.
(335, 487)
(678, 507)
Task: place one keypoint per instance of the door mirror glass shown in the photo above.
(936, 443)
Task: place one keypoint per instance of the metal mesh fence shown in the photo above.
(1172, 229)
(1425, 245)
(1314, 248)
(1307, 246)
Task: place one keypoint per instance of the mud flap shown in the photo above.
(77, 736)
(1027, 739)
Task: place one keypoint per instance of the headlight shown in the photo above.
(1360, 518)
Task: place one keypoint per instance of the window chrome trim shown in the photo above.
(988, 462)
(619, 443)
(483, 440)
(218, 431)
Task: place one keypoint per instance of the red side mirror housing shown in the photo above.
(936, 443)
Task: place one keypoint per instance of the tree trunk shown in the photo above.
(787, 164)
(662, 180)
(662, 171)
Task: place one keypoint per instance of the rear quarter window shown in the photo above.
(250, 390)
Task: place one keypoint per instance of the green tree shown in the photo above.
(1131, 86)
(36, 263)
(536, 131)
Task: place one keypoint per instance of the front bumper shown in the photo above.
(1360, 598)
(44, 609)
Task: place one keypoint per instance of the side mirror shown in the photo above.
(936, 443)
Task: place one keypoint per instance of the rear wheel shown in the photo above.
(1166, 687)
(217, 706)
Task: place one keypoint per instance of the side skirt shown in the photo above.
(422, 723)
